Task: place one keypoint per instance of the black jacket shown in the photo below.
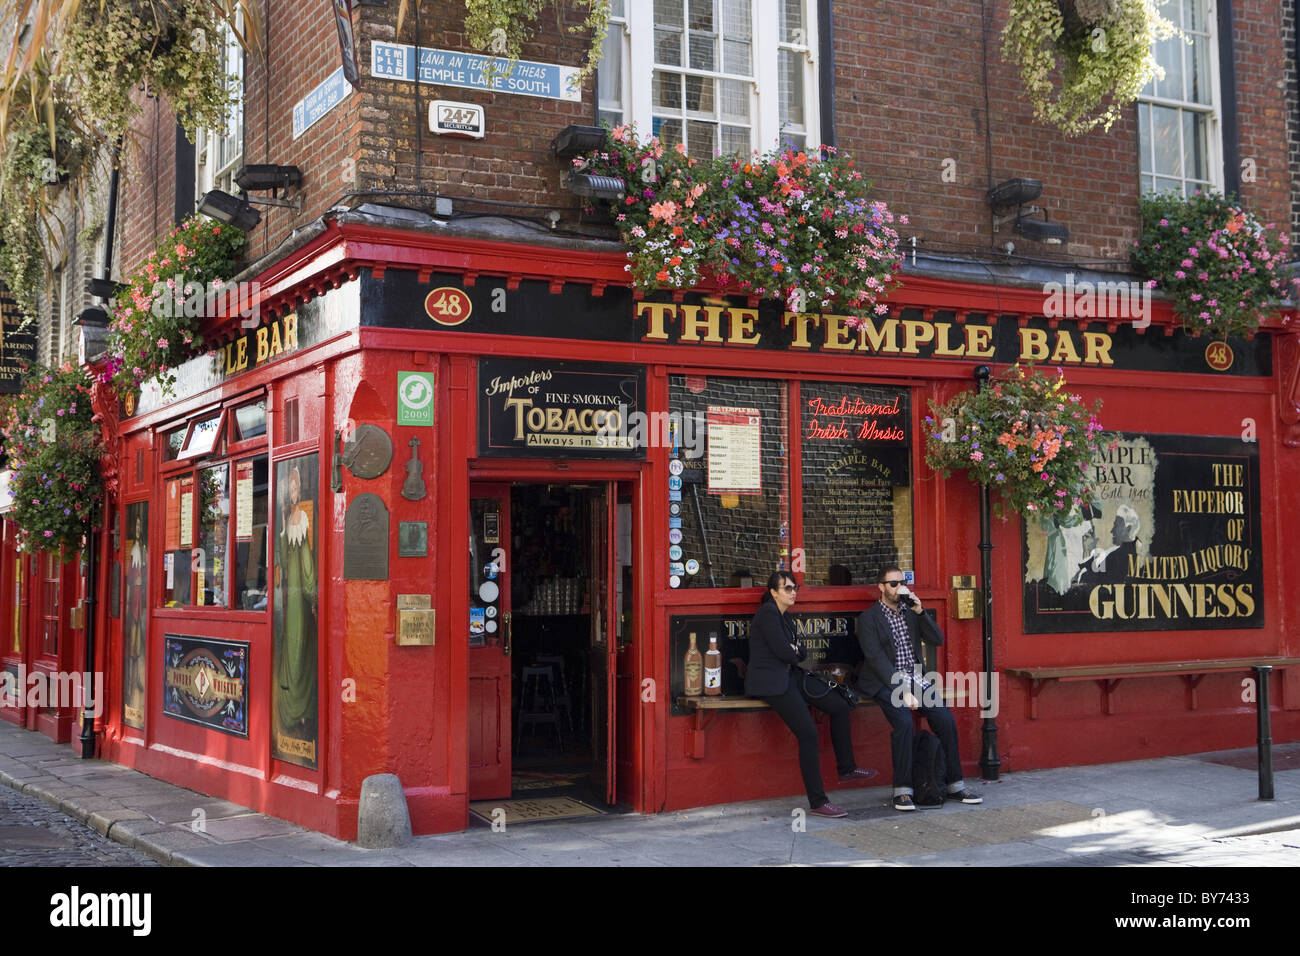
(770, 656)
(877, 643)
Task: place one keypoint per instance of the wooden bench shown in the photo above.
(703, 710)
(1109, 676)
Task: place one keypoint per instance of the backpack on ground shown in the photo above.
(927, 770)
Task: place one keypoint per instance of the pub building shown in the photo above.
(290, 604)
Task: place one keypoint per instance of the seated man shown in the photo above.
(890, 637)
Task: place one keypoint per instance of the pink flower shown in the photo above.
(162, 343)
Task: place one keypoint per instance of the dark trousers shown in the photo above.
(792, 707)
(901, 738)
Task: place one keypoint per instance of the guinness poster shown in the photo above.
(545, 409)
(205, 681)
(295, 662)
(1170, 541)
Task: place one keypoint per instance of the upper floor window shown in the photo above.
(719, 76)
(1178, 116)
(219, 153)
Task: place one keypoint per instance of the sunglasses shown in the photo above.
(892, 584)
(790, 588)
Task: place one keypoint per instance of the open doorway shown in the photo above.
(551, 597)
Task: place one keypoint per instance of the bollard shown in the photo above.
(382, 818)
(1263, 732)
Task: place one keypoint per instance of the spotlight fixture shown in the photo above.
(105, 289)
(1040, 230)
(1016, 193)
(594, 187)
(229, 209)
(259, 176)
(575, 140)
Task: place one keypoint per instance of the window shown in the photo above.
(730, 517)
(1178, 119)
(218, 154)
(215, 498)
(690, 71)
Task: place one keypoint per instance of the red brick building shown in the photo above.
(328, 484)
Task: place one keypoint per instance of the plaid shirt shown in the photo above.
(904, 656)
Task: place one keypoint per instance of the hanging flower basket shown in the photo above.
(1025, 436)
(55, 450)
(155, 325)
(789, 225)
(1218, 263)
(1082, 61)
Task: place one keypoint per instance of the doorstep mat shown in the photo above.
(528, 811)
(535, 780)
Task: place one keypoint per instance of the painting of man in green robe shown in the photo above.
(296, 672)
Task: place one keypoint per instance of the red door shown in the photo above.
(489, 642)
(15, 647)
(606, 611)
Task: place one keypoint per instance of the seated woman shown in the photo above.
(774, 676)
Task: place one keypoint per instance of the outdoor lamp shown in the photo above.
(1017, 192)
(259, 176)
(575, 140)
(594, 187)
(229, 209)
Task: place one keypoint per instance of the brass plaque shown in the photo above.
(414, 602)
(965, 604)
(963, 581)
(415, 627)
(365, 539)
(412, 539)
(368, 452)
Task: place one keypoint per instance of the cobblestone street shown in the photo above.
(32, 833)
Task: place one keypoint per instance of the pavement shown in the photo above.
(1200, 810)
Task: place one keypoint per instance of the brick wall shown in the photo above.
(1292, 113)
(911, 98)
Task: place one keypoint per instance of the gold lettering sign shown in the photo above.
(415, 627)
(260, 345)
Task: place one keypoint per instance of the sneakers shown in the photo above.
(856, 776)
(828, 810)
(904, 801)
(966, 796)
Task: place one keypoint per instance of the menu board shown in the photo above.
(244, 501)
(735, 450)
(172, 529)
(187, 512)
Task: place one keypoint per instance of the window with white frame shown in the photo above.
(1178, 116)
(719, 76)
(219, 153)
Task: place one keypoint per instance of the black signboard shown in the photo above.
(17, 344)
(528, 308)
(536, 408)
(1171, 541)
(205, 681)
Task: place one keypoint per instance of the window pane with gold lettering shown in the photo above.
(729, 502)
(857, 494)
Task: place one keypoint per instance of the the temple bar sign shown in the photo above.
(729, 325)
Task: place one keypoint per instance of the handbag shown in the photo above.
(816, 687)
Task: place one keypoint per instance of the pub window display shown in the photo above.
(731, 505)
(214, 539)
(856, 450)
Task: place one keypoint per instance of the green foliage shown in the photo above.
(500, 27)
(55, 450)
(1024, 436)
(1107, 56)
(155, 324)
(788, 225)
(171, 46)
(1217, 262)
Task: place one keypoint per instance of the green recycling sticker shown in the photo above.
(415, 398)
